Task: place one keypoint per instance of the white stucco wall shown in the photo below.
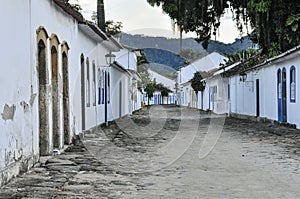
(243, 94)
(17, 131)
(19, 143)
(119, 105)
(127, 59)
(220, 103)
(207, 63)
(167, 82)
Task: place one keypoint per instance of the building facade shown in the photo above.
(57, 81)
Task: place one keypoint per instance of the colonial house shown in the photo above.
(166, 82)
(216, 94)
(127, 58)
(57, 81)
(207, 65)
(268, 90)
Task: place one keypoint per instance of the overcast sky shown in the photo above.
(138, 17)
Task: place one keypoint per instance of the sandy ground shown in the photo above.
(170, 152)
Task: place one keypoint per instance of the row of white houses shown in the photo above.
(267, 91)
(55, 80)
(157, 97)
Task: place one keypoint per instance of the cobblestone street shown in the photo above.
(170, 152)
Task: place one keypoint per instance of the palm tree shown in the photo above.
(101, 15)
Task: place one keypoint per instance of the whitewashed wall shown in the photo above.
(243, 94)
(19, 143)
(119, 105)
(127, 59)
(167, 82)
(220, 104)
(18, 131)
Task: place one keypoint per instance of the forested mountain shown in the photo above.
(162, 53)
(163, 70)
(165, 57)
(173, 45)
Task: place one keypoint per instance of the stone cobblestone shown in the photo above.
(156, 153)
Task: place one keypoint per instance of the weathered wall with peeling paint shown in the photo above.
(19, 100)
(22, 89)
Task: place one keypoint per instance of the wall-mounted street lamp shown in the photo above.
(110, 58)
(243, 76)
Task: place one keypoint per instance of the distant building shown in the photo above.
(206, 65)
(157, 97)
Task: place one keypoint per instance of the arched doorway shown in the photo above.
(281, 95)
(284, 96)
(43, 105)
(82, 92)
(66, 106)
(55, 93)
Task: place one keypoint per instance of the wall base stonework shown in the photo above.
(17, 168)
(261, 119)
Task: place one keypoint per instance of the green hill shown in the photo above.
(173, 45)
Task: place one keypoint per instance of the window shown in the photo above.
(108, 88)
(293, 84)
(94, 84)
(87, 82)
(228, 91)
(279, 88)
(102, 87)
(99, 85)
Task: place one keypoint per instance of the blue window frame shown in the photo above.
(293, 84)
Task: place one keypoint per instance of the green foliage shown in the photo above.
(190, 54)
(142, 59)
(261, 6)
(164, 93)
(241, 55)
(293, 22)
(142, 69)
(94, 17)
(150, 89)
(196, 83)
(76, 7)
(273, 50)
(113, 28)
(272, 21)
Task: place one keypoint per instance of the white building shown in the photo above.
(127, 58)
(166, 82)
(206, 65)
(269, 90)
(58, 85)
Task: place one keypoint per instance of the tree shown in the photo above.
(177, 12)
(142, 69)
(113, 28)
(241, 55)
(76, 7)
(150, 89)
(197, 85)
(189, 54)
(275, 23)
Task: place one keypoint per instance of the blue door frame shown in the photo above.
(279, 95)
(282, 95)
